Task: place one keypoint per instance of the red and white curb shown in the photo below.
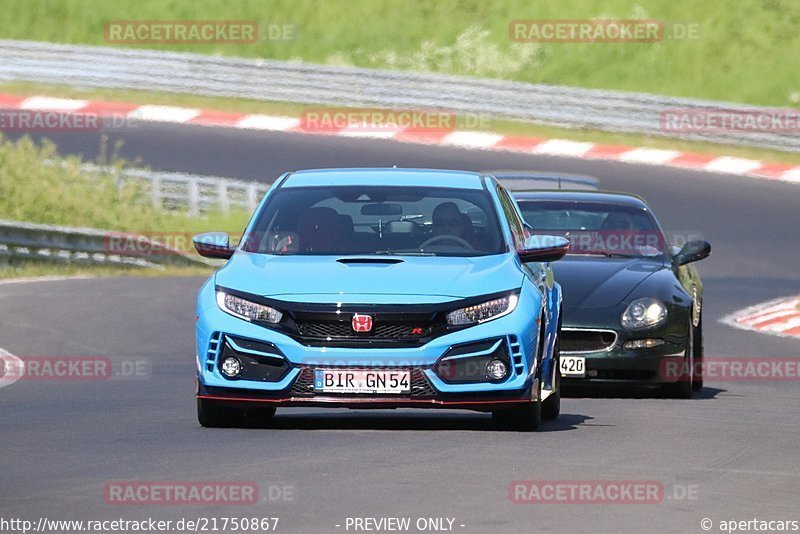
(458, 138)
(778, 317)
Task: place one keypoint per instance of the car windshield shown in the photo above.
(596, 227)
(367, 220)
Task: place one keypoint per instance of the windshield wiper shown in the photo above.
(608, 254)
(400, 253)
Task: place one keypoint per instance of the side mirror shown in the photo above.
(213, 245)
(692, 251)
(543, 248)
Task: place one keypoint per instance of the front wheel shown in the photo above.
(697, 382)
(551, 406)
(684, 388)
(211, 415)
(525, 418)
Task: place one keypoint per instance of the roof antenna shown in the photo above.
(559, 183)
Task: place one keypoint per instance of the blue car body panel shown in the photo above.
(412, 281)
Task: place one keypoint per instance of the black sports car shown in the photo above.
(632, 302)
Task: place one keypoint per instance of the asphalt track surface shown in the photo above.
(733, 448)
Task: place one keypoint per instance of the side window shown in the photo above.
(517, 228)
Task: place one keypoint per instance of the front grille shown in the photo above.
(344, 330)
(328, 324)
(304, 385)
(575, 341)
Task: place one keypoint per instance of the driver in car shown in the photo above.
(449, 221)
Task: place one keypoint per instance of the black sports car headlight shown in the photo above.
(247, 310)
(485, 311)
(644, 313)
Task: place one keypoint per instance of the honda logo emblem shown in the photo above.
(362, 323)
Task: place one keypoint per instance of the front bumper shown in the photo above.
(633, 366)
(476, 401)
(518, 332)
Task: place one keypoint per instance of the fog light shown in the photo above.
(495, 369)
(642, 343)
(231, 367)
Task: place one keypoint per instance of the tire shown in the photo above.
(264, 413)
(524, 418)
(684, 387)
(697, 379)
(212, 415)
(260, 417)
(551, 406)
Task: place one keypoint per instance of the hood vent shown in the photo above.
(369, 261)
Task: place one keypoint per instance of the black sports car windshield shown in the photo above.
(597, 227)
(367, 220)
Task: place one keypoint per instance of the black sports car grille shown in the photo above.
(344, 330)
(304, 385)
(587, 340)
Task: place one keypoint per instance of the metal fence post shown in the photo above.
(194, 197)
(155, 191)
(222, 193)
(252, 200)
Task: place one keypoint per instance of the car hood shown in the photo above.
(601, 282)
(354, 279)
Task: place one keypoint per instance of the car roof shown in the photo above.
(384, 177)
(607, 197)
(524, 180)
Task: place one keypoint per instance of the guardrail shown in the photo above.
(193, 193)
(614, 111)
(64, 244)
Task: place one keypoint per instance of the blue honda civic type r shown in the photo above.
(381, 288)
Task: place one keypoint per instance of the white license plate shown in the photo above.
(349, 381)
(574, 366)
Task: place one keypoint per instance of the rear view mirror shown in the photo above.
(543, 248)
(381, 209)
(213, 245)
(692, 251)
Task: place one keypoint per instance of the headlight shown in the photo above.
(644, 313)
(249, 311)
(483, 312)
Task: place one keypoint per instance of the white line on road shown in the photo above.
(34, 279)
(13, 368)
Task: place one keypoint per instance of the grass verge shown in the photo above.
(36, 269)
(39, 186)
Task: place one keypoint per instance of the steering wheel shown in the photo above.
(445, 238)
